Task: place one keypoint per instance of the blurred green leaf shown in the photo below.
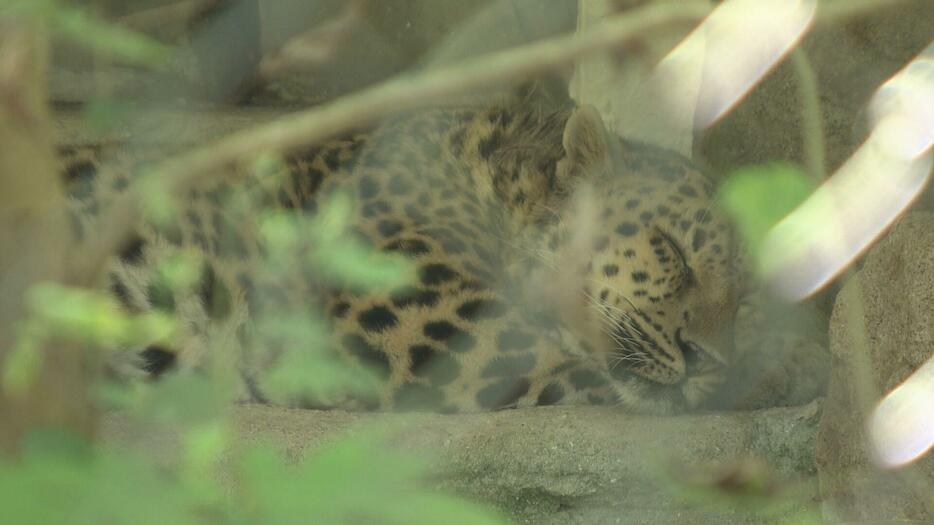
(354, 262)
(110, 395)
(297, 375)
(269, 165)
(280, 234)
(758, 197)
(77, 314)
(21, 366)
(342, 256)
(744, 485)
(148, 328)
(352, 480)
(184, 398)
(56, 442)
(334, 252)
(103, 37)
(305, 368)
(205, 446)
(103, 114)
(333, 218)
(91, 317)
(158, 203)
(59, 478)
(180, 271)
(292, 329)
(50, 485)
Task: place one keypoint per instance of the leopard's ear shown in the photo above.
(586, 142)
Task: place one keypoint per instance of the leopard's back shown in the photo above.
(523, 291)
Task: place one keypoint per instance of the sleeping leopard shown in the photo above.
(553, 263)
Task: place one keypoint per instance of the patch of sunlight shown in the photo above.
(842, 219)
(901, 428)
(735, 46)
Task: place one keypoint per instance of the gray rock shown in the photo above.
(882, 329)
(558, 464)
(782, 357)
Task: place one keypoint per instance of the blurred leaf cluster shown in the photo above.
(746, 484)
(758, 197)
(58, 477)
(90, 32)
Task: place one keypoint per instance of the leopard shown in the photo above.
(552, 262)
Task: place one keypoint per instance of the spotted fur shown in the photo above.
(555, 264)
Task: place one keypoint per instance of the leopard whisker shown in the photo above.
(613, 326)
(615, 290)
(601, 305)
(612, 322)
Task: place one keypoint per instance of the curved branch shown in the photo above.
(399, 94)
(404, 93)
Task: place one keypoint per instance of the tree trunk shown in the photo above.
(34, 238)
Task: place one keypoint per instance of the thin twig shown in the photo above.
(409, 92)
(811, 117)
(404, 93)
(169, 20)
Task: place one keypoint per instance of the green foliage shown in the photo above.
(90, 318)
(335, 253)
(158, 203)
(21, 367)
(324, 243)
(758, 197)
(306, 369)
(59, 478)
(182, 398)
(345, 256)
(745, 485)
(180, 271)
(104, 113)
(350, 481)
(269, 165)
(80, 27)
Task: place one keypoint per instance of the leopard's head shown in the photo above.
(653, 265)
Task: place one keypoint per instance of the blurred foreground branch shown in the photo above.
(403, 93)
(34, 238)
(34, 234)
(408, 92)
(168, 21)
